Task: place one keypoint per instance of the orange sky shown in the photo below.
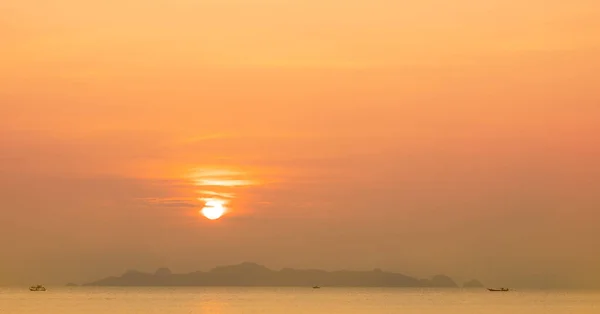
(424, 137)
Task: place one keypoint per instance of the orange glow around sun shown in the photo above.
(218, 189)
(213, 209)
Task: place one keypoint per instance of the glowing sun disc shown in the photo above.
(213, 210)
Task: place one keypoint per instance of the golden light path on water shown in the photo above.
(217, 186)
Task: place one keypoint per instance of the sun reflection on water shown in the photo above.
(213, 307)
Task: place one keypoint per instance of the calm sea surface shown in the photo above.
(293, 300)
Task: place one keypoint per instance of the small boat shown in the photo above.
(498, 290)
(316, 287)
(37, 288)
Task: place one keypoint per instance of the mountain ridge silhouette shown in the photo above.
(253, 274)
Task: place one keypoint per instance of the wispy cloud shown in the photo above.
(220, 178)
(169, 202)
(219, 194)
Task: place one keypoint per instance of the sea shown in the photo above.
(181, 300)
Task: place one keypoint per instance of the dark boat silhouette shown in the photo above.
(316, 287)
(498, 290)
(37, 288)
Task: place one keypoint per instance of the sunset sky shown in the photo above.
(458, 137)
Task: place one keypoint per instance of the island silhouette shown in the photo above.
(253, 274)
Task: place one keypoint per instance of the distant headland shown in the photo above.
(252, 274)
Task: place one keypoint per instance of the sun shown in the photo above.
(213, 209)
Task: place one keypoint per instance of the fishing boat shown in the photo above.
(37, 288)
(316, 287)
(498, 290)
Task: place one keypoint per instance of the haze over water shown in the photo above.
(294, 301)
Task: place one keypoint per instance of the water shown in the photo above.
(293, 301)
